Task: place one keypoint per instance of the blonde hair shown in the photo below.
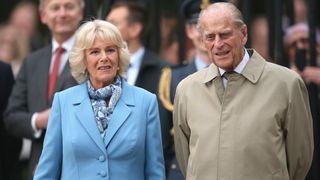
(85, 36)
(17, 43)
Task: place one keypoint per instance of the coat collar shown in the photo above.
(85, 115)
(252, 70)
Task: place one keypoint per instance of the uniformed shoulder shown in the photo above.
(165, 87)
(182, 71)
(194, 78)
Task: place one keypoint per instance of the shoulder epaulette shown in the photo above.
(164, 89)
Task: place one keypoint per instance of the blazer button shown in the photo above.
(103, 173)
(101, 158)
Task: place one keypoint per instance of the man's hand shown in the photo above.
(42, 119)
(311, 75)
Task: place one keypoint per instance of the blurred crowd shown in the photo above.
(21, 36)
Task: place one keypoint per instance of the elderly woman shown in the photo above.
(102, 128)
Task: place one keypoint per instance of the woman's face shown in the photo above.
(102, 63)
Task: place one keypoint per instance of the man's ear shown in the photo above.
(43, 17)
(244, 32)
(135, 30)
(189, 31)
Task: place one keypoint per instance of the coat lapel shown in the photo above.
(86, 117)
(255, 67)
(120, 113)
(212, 75)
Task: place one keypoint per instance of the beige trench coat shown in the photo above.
(261, 129)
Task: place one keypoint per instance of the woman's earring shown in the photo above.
(85, 72)
(118, 68)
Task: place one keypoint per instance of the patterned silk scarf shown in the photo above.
(98, 99)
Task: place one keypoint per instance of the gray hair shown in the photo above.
(85, 36)
(228, 8)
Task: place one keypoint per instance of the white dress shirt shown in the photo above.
(200, 64)
(238, 69)
(67, 45)
(134, 67)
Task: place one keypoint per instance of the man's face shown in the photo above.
(223, 39)
(195, 36)
(119, 17)
(298, 40)
(25, 18)
(62, 16)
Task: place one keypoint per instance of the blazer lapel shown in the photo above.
(86, 117)
(42, 75)
(120, 113)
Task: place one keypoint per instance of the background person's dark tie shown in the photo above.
(55, 72)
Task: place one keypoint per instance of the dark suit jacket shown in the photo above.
(150, 71)
(10, 145)
(29, 95)
(177, 74)
(148, 78)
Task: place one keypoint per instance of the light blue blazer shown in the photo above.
(73, 148)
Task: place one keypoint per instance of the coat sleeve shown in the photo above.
(49, 166)
(17, 117)
(181, 129)
(154, 168)
(299, 132)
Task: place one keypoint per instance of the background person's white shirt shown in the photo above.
(134, 67)
(238, 69)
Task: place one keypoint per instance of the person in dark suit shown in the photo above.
(170, 77)
(10, 145)
(145, 66)
(117, 134)
(43, 72)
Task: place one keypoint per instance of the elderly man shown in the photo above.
(242, 118)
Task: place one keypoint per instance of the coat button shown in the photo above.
(103, 173)
(101, 158)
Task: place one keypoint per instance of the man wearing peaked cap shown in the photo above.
(170, 77)
(190, 9)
